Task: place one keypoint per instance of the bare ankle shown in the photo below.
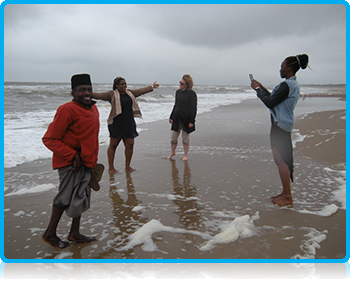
(112, 170)
(171, 155)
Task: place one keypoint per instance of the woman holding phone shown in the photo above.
(281, 102)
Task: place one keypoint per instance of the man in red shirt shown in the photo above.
(73, 138)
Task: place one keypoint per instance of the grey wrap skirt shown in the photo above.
(74, 193)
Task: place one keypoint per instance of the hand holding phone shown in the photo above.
(254, 84)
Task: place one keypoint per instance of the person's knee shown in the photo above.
(185, 139)
(277, 157)
(114, 143)
(113, 146)
(174, 137)
(129, 144)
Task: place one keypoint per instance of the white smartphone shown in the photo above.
(251, 77)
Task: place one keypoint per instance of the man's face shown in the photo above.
(83, 94)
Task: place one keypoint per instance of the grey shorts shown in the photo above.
(175, 136)
(74, 192)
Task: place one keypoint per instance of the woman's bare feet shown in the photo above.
(112, 171)
(129, 169)
(185, 158)
(171, 155)
(283, 199)
(274, 197)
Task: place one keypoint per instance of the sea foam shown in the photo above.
(36, 189)
(241, 227)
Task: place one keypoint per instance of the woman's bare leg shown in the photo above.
(173, 143)
(113, 144)
(173, 150)
(186, 149)
(129, 150)
(286, 196)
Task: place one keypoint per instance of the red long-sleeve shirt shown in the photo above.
(75, 128)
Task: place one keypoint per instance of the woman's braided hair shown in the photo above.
(297, 62)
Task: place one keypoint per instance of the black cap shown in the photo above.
(81, 79)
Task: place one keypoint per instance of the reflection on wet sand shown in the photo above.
(185, 197)
(126, 217)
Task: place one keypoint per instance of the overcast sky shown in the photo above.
(216, 44)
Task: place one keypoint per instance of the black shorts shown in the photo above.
(123, 127)
(282, 140)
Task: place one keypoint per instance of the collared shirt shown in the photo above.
(75, 128)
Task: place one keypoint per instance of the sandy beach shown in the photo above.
(187, 210)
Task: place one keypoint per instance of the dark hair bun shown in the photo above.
(304, 60)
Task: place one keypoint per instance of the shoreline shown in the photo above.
(230, 173)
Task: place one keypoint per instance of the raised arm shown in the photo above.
(147, 89)
(106, 96)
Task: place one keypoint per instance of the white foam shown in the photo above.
(138, 208)
(36, 230)
(143, 236)
(288, 238)
(311, 243)
(340, 193)
(168, 196)
(326, 211)
(36, 189)
(19, 213)
(241, 227)
(297, 137)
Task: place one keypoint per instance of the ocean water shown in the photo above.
(30, 107)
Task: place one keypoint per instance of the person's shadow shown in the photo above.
(185, 197)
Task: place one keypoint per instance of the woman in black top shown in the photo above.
(183, 115)
(121, 123)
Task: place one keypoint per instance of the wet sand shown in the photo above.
(230, 173)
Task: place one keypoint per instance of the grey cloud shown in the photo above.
(215, 43)
(232, 25)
